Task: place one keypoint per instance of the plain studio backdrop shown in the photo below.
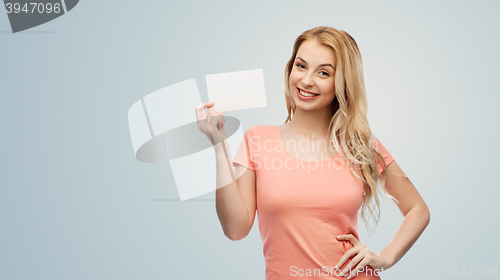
(75, 203)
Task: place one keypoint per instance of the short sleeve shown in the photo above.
(244, 154)
(385, 153)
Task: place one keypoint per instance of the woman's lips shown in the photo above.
(306, 91)
(305, 97)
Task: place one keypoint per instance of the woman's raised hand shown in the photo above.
(211, 123)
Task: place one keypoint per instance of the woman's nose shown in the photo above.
(307, 81)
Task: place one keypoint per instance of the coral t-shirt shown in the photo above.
(302, 206)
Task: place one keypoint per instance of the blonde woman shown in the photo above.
(308, 178)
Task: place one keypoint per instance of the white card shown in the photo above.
(237, 90)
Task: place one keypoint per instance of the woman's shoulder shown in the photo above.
(262, 130)
(260, 127)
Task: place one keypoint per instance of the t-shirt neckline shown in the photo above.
(290, 156)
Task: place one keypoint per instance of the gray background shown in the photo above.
(76, 204)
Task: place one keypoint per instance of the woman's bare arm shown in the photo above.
(413, 208)
(235, 199)
(235, 196)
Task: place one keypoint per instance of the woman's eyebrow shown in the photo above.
(325, 64)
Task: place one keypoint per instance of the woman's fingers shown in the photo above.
(351, 238)
(211, 113)
(199, 109)
(359, 268)
(214, 128)
(211, 121)
(215, 109)
(216, 120)
(350, 268)
(345, 257)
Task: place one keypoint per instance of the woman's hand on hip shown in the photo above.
(362, 257)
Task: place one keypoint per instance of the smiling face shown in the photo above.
(313, 73)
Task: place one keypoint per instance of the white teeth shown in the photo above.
(306, 94)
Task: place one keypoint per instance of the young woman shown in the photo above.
(308, 178)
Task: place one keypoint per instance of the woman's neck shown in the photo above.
(310, 123)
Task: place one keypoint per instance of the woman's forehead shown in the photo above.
(313, 52)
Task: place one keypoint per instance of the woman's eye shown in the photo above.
(303, 67)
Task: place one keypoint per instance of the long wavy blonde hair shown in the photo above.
(348, 130)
